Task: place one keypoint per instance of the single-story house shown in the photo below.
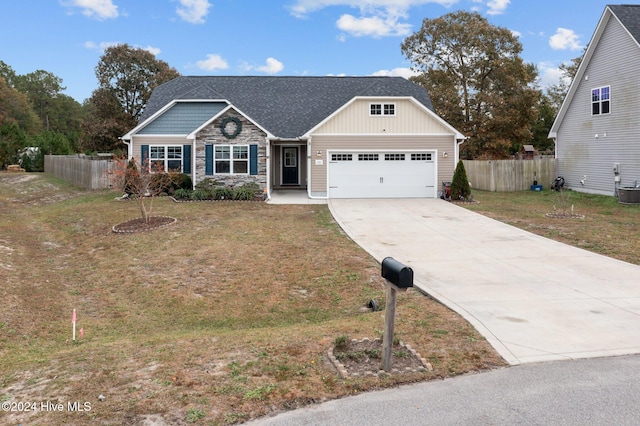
(335, 137)
(597, 130)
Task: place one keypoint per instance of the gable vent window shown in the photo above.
(601, 100)
(382, 109)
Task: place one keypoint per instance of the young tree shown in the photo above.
(141, 182)
(477, 80)
(15, 108)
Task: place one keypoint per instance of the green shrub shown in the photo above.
(460, 188)
(246, 192)
(201, 194)
(182, 194)
(180, 181)
(207, 184)
(222, 193)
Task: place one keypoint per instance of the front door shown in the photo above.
(290, 165)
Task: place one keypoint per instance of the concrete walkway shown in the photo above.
(532, 298)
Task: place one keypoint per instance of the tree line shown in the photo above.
(472, 70)
(35, 113)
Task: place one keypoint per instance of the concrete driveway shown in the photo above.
(532, 298)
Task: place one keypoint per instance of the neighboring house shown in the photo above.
(335, 137)
(597, 130)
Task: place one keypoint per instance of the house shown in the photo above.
(528, 152)
(335, 137)
(597, 130)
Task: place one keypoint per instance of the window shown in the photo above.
(382, 109)
(165, 158)
(421, 156)
(394, 157)
(600, 100)
(231, 159)
(341, 157)
(368, 157)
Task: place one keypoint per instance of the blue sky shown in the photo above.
(270, 37)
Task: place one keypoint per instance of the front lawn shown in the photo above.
(224, 316)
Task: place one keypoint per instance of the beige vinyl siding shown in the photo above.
(356, 118)
(365, 143)
(138, 141)
(615, 63)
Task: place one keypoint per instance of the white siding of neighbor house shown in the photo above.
(616, 63)
(355, 118)
(380, 142)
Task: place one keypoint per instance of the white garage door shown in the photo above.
(408, 174)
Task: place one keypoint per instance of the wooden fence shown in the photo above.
(510, 175)
(80, 170)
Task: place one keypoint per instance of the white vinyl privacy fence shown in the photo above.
(80, 170)
(510, 175)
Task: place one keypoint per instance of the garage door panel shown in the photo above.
(394, 175)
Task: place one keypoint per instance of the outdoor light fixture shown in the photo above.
(445, 154)
(319, 153)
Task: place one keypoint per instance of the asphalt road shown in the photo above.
(594, 391)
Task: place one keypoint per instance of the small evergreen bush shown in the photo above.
(460, 188)
(182, 194)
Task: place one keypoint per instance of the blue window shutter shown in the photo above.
(253, 159)
(186, 159)
(144, 155)
(208, 160)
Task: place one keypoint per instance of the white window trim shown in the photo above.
(231, 160)
(166, 158)
(599, 88)
(382, 112)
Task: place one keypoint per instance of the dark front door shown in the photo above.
(290, 165)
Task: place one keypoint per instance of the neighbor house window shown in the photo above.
(601, 100)
(231, 159)
(382, 109)
(165, 158)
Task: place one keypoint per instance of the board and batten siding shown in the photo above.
(616, 63)
(356, 118)
(380, 143)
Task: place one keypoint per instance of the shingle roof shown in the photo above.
(629, 16)
(287, 107)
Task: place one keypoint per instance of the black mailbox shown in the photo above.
(396, 273)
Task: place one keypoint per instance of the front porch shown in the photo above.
(288, 166)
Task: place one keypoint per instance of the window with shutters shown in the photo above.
(164, 158)
(231, 159)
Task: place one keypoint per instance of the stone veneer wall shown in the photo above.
(250, 135)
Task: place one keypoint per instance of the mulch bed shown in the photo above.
(364, 358)
(139, 225)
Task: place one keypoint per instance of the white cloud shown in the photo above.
(375, 26)
(565, 39)
(497, 7)
(193, 11)
(213, 62)
(97, 9)
(550, 75)
(378, 18)
(272, 66)
(102, 46)
(396, 72)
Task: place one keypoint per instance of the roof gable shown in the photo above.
(182, 118)
(629, 18)
(286, 107)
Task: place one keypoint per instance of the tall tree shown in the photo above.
(126, 77)
(477, 80)
(132, 74)
(41, 87)
(559, 91)
(16, 109)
